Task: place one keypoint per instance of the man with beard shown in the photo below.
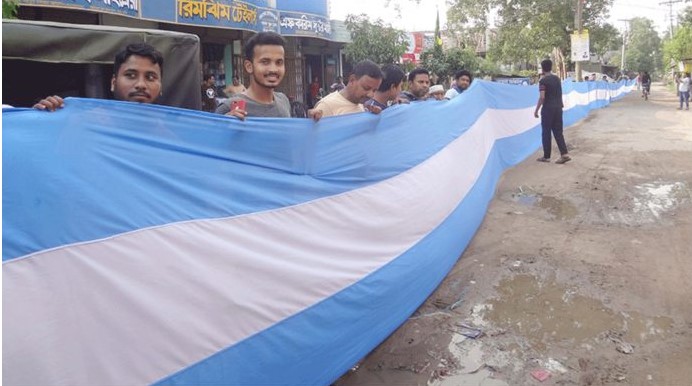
(418, 84)
(264, 62)
(361, 87)
(462, 81)
(137, 77)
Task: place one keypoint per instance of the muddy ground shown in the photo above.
(582, 270)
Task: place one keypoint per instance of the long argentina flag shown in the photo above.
(153, 245)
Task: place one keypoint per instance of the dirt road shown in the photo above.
(583, 270)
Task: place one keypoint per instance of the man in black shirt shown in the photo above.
(550, 98)
(646, 85)
(209, 93)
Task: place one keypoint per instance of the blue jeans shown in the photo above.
(685, 97)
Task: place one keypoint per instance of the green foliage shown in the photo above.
(680, 46)
(643, 50)
(444, 64)
(383, 44)
(528, 29)
(604, 38)
(9, 9)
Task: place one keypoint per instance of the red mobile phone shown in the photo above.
(238, 104)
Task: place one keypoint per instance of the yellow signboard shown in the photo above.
(580, 46)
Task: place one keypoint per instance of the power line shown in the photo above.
(624, 42)
(670, 3)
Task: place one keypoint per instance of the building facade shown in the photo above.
(314, 42)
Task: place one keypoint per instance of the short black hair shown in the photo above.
(393, 75)
(138, 49)
(207, 77)
(369, 68)
(263, 39)
(547, 65)
(461, 73)
(419, 70)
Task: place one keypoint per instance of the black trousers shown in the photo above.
(551, 122)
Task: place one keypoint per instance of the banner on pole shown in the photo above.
(580, 46)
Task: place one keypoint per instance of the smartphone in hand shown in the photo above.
(238, 104)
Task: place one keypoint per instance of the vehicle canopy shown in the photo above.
(48, 58)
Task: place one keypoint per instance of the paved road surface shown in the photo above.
(583, 269)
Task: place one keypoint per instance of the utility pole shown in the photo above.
(670, 3)
(624, 42)
(578, 27)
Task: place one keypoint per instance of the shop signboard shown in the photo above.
(250, 15)
(122, 7)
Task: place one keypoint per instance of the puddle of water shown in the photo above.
(643, 329)
(558, 208)
(547, 312)
(654, 199)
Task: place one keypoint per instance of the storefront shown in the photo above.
(223, 26)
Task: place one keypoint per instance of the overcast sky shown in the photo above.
(422, 17)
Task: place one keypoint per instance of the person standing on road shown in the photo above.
(550, 100)
(314, 91)
(265, 63)
(209, 93)
(684, 91)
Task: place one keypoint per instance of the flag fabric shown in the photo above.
(153, 245)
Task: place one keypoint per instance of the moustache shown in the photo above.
(139, 93)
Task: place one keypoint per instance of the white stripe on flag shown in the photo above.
(137, 307)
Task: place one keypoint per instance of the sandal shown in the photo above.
(563, 159)
(543, 159)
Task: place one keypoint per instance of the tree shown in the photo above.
(9, 9)
(443, 64)
(383, 44)
(604, 38)
(680, 46)
(526, 29)
(643, 50)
